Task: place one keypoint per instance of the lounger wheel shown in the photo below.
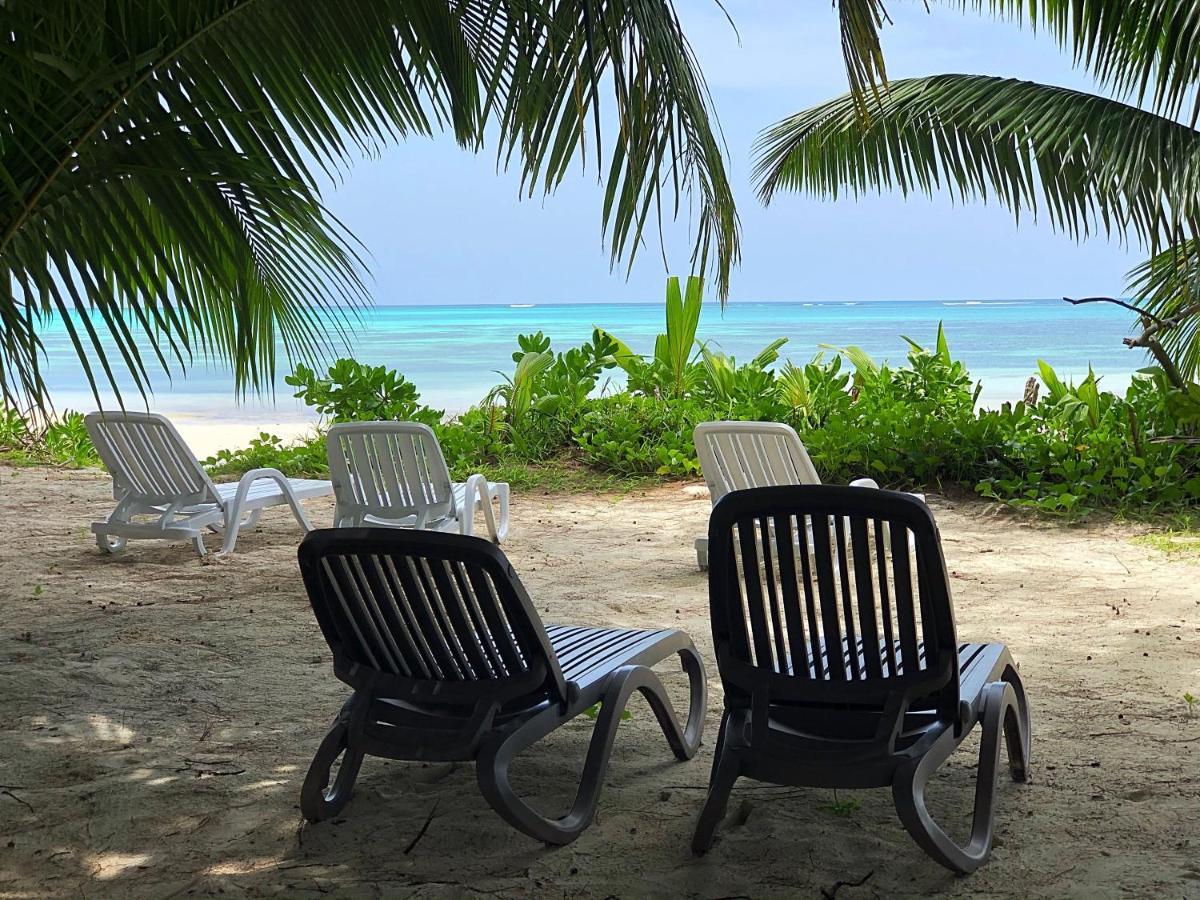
(318, 799)
(110, 543)
(1004, 716)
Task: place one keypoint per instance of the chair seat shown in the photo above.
(444, 523)
(587, 655)
(266, 492)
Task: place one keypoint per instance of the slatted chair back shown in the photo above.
(391, 470)
(832, 596)
(735, 456)
(148, 459)
(428, 617)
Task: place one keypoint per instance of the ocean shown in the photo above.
(453, 353)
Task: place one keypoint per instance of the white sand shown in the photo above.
(157, 717)
(206, 436)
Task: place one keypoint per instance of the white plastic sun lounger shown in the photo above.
(394, 474)
(735, 456)
(158, 481)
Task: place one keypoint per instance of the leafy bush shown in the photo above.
(64, 442)
(635, 434)
(354, 392)
(301, 459)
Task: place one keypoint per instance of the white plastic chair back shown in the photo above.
(148, 459)
(739, 455)
(388, 470)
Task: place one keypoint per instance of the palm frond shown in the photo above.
(862, 52)
(1167, 286)
(1144, 50)
(1087, 162)
(159, 159)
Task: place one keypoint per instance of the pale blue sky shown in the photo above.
(443, 227)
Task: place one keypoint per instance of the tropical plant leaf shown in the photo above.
(160, 160)
(1088, 162)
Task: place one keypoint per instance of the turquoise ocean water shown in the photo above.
(452, 353)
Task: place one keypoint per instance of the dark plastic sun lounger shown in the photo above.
(449, 661)
(835, 640)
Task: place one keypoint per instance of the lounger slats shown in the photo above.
(811, 590)
(146, 458)
(735, 456)
(391, 472)
(874, 689)
(432, 618)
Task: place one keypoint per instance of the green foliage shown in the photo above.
(548, 425)
(1191, 703)
(638, 435)
(545, 393)
(843, 807)
(162, 159)
(300, 459)
(1082, 447)
(354, 392)
(67, 442)
(64, 442)
(671, 372)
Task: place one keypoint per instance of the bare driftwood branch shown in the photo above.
(1144, 313)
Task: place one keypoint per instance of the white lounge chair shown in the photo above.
(156, 475)
(394, 474)
(739, 455)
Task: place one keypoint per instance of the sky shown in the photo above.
(443, 226)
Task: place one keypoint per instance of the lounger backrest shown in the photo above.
(831, 595)
(389, 469)
(433, 616)
(735, 456)
(148, 459)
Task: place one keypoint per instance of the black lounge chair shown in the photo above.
(449, 661)
(799, 576)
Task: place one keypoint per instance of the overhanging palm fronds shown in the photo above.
(1089, 162)
(1167, 286)
(1146, 50)
(158, 157)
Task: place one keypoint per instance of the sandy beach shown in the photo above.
(157, 716)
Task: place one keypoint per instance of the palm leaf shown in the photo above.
(1087, 162)
(160, 159)
(1167, 286)
(1144, 50)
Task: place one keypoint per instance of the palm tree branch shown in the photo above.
(1090, 163)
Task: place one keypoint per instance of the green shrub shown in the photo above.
(301, 459)
(64, 442)
(635, 434)
(354, 392)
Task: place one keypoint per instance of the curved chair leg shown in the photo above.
(1000, 717)
(684, 741)
(725, 773)
(319, 800)
(1018, 730)
(496, 756)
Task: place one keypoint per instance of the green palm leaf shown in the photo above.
(1087, 162)
(159, 159)
(1144, 50)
